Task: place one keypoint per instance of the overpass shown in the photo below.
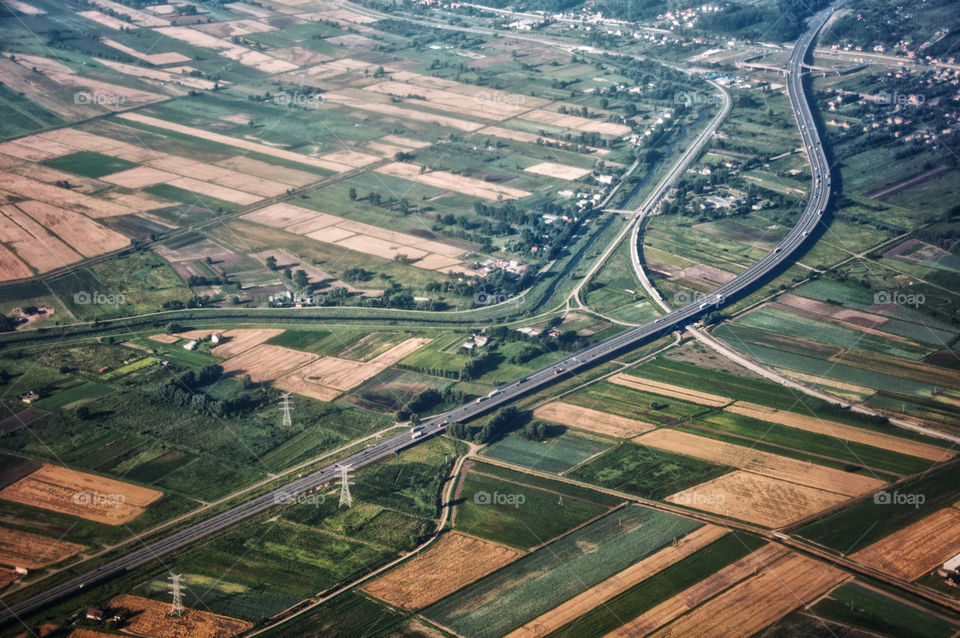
(745, 282)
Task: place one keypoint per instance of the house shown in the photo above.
(216, 337)
(190, 345)
(94, 614)
(950, 571)
(104, 369)
(23, 571)
(480, 340)
(29, 397)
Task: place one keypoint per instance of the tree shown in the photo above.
(173, 327)
(272, 262)
(353, 193)
(300, 279)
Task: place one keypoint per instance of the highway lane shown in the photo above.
(540, 379)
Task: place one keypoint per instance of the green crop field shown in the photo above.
(350, 615)
(557, 453)
(659, 587)
(857, 606)
(528, 516)
(634, 404)
(563, 569)
(90, 164)
(646, 471)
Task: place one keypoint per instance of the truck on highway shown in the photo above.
(416, 432)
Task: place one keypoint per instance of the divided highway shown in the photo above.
(629, 339)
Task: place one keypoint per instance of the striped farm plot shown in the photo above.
(326, 378)
(32, 551)
(357, 236)
(916, 549)
(559, 171)
(841, 431)
(618, 583)
(449, 181)
(247, 145)
(591, 420)
(757, 499)
(741, 599)
(760, 462)
(668, 390)
(454, 561)
(540, 581)
(95, 498)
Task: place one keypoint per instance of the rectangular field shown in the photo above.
(668, 390)
(149, 617)
(537, 583)
(80, 494)
(23, 549)
(841, 431)
(454, 560)
(917, 549)
(764, 463)
(618, 583)
(591, 420)
(267, 363)
(755, 498)
(741, 611)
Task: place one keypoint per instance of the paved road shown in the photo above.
(540, 379)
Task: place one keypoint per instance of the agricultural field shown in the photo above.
(528, 516)
(569, 566)
(558, 453)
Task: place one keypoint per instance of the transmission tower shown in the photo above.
(345, 498)
(176, 609)
(285, 408)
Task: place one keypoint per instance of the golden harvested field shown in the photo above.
(282, 215)
(449, 181)
(327, 377)
(765, 463)
(11, 267)
(23, 549)
(215, 174)
(707, 588)
(377, 247)
(757, 499)
(7, 577)
(454, 561)
(215, 190)
(32, 189)
(486, 104)
(149, 618)
(88, 496)
(82, 233)
(241, 340)
(401, 238)
(158, 59)
(32, 242)
(576, 122)
(165, 338)
(560, 171)
(841, 431)
(790, 582)
(618, 583)
(667, 390)
(266, 362)
(916, 549)
(87, 633)
(592, 420)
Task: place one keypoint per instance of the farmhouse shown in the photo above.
(29, 397)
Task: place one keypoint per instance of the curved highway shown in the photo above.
(626, 340)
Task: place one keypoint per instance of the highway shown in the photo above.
(677, 319)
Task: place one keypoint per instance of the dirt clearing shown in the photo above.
(448, 181)
(618, 583)
(757, 499)
(560, 171)
(149, 618)
(454, 561)
(32, 551)
(916, 549)
(765, 463)
(88, 496)
(592, 420)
